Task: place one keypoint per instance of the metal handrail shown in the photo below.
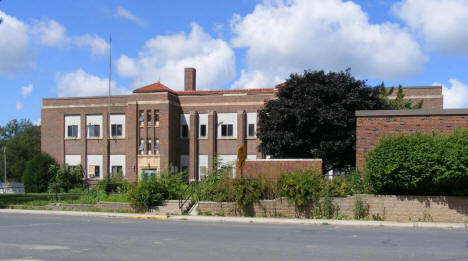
(183, 200)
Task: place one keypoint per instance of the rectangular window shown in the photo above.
(94, 171)
(116, 130)
(148, 117)
(226, 130)
(94, 131)
(156, 145)
(148, 145)
(156, 118)
(203, 130)
(203, 172)
(72, 131)
(117, 171)
(141, 148)
(251, 131)
(141, 118)
(185, 131)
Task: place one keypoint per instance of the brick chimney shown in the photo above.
(190, 79)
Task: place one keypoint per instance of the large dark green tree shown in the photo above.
(23, 141)
(314, 117)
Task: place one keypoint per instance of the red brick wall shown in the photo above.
(273, 168)
(373, 125)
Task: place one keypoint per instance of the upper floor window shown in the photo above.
(148, 145)
(141, 147)
(94, 131)
(203, 130)
(72, 126)
(227, 125)
(251, 130)
(141, 117)
(116, 130)
(94, 125)
(72, 131)
(148, 117)
(226, 130)
(156, 145)
(156, 118)
(251, 124)
(185, 131)
(117, 125)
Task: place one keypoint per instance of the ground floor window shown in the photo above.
(94, 171)
(117, 171)
(149, 172)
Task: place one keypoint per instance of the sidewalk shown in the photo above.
(254, 220)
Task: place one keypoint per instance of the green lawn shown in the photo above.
(42, 199)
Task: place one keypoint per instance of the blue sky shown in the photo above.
(59, 48)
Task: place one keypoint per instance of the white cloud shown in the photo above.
(290, 36)
(37, 122)
(80, 83)
(441, 23)
(456, 96)
(26, 90)
(165, 56)
(19, 106)
(15, 53)
(50, 32)
(97, 45)
(124, 13)
(16, 38)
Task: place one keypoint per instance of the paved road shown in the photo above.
(39, 237)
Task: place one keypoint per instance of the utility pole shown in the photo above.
(4, 163)
(108, 187)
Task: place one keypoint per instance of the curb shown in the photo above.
(282, 221)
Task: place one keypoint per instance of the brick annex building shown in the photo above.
(156, 127)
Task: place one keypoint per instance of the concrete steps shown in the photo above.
(170, 207)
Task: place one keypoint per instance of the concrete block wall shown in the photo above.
(387, 207)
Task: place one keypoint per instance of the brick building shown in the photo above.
(371, 125)
(156, 127)
(152, 129)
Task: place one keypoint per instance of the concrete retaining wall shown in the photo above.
(390, 208)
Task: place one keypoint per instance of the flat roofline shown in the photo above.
(418, 112)
(283, 159)
(86, 97)
(419, 87)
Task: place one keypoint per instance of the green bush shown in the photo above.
(361, 208)
(64, 178)
(149, 191)
(36, 176)
(215, 187)
(117, 184)
(301, 187)
(174, 183)
(247, 191)
(420, 164)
